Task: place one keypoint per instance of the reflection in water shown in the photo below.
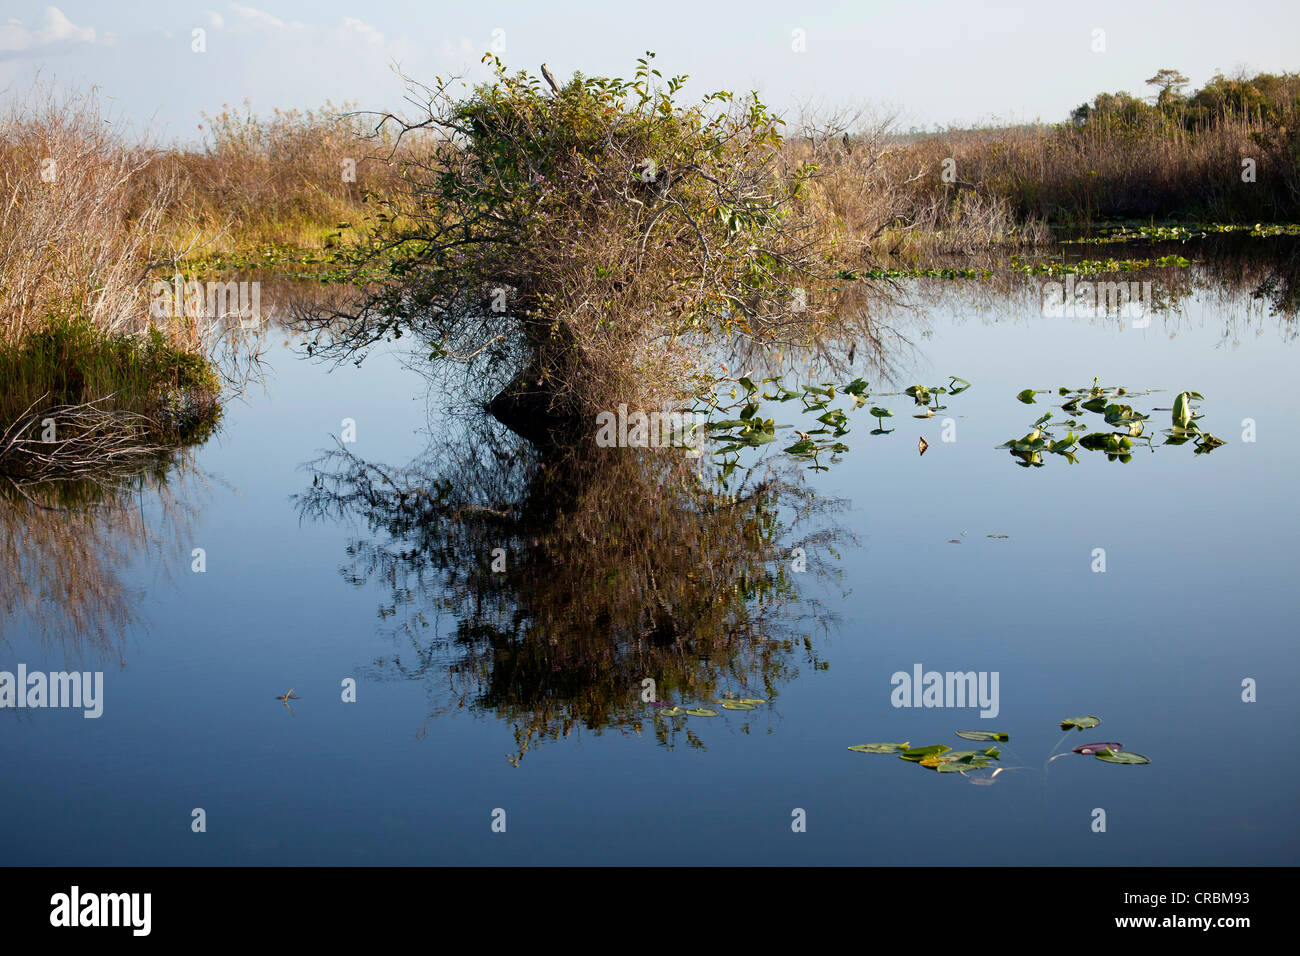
(1243, 281)
(573, 577)
(65, 547)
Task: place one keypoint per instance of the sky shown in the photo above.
(928, 62)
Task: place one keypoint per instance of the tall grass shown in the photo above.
(963, 191)
(1098, 171)
(290, 178)
(81, 220)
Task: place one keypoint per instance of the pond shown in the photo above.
(464, 628)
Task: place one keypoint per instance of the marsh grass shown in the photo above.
(78, 402)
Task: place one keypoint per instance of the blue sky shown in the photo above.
(930, 61)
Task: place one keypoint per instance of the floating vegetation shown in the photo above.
(1182, 233)
(937, 757)
(878, 274)
(1121, 756)
(1092, 266)
(943, 759)
(727, 703)
(744, 425)
(1080, 723)
(1093, 748)
(1126, 426)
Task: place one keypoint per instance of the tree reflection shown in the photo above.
(614, 565)
(65, 546)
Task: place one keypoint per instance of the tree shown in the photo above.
(1170, 84)
(591, 242)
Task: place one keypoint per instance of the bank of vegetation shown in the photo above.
(593, 238)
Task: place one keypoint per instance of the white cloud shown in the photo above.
(55, 34)
(59, 27)
(251, 16)
(364, 30)
(464, 47)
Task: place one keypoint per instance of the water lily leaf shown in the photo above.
(702, 712)
(877, 412)
(736, 705)
(1182, 409)
(752, 700)
(1027, 396)
(672, 711)
(1080, 723)
(1094, 748)
(917, 754)
(1122, 756)
(879, 748)
(983, 734)
(958, 766)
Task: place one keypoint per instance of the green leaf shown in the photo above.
(736, 705)
(1080, 723)
(1121, 756)
(983, 734)
(916, 755)
(959, 766)
(1027, 396)
(878, 748)
(672, 711)
(702, 712)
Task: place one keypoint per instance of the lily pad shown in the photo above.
(917, 754)
(672, 712)
(1122, 756)
(1080, 723)
(737, 705)
(702, 712)
(960, 766)
(1094, 748)
(982, 735)
(879, 748)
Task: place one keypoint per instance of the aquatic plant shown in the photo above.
(1126, 426)
(943, 759)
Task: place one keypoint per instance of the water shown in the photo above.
(304, 591)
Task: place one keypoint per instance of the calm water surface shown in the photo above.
(1199, 593)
